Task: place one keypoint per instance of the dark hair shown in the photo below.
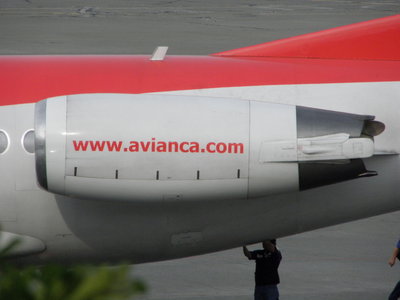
(272, 241)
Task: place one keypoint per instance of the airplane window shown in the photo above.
(3, 141)
(28, 141)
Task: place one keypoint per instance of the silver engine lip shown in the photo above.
(40, 143)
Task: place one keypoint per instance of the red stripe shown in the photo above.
(26, 79)
(373, 40)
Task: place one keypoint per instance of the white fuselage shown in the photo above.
(90, 228)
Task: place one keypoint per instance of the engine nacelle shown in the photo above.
(158, 147)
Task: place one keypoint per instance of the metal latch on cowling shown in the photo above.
(328, 147)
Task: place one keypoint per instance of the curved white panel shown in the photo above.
(26, 245)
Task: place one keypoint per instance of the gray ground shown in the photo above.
(348, 261)
(187, 26)
(345, 262)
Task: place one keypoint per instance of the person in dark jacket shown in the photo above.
(395, 294)
(266, 276)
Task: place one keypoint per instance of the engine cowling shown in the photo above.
(158, 147)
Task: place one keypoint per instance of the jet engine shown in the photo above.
(146, 147)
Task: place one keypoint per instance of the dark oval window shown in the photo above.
(28, 141)
(3, 142)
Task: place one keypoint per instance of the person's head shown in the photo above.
(269, 245)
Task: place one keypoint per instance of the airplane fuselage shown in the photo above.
(110, 158)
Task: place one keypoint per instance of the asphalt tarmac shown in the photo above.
(344, 262)
(347, 261)
(187, 26)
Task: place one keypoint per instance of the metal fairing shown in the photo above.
(145, 160)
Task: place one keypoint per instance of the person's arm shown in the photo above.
(392, 260)
(276, 258)
(246, 252)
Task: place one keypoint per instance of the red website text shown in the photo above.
(157, 146)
